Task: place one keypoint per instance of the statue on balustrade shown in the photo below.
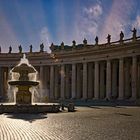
(96, 40)
(20, 49)
(62, 46)
(121, 36)
(85, 41)
(31, 48)
(108, 38)
(52, 47)
(134, 31)
(73, 43)
(10, 49)
(42, 47)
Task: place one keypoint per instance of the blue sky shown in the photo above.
(34, 22)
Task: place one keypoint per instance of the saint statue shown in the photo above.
(96, 40)
(20, 49)
(121, 36)
(73, 43)
(41, 47)
(62, 46)
(10, 49)
(31, 47)
(134, 31)
(108, 38)
(85, 41)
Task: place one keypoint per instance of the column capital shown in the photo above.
(96, 61)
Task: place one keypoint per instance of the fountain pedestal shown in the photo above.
(23, 96)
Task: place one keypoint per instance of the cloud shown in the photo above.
(136, 23)
(93, 11)
(45, 38)
(89, 21)
(118, 20)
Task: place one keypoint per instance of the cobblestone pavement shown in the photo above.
(87, 123)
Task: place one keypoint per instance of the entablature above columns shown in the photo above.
(90, 54)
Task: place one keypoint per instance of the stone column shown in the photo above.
(102, 80)
(1, 85)
(9, 74)
(96, 80)
(56, 83)
(67, 86)
(48, 81)
(121, 79)
(78, 81)
(90, 81)
(41, 77)
(138, 90)
(127, 80)
(73, 88)
(108, 80)
(134, 77)
(84, 80)
(38, 73)
(51, 82)
(10, 93)
(114, 79)
(62, 88)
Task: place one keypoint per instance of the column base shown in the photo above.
(132, 99)
(96, 98)
(72, 98)
(120, 98)
(61, 99)
(83, 98)
(106, 99)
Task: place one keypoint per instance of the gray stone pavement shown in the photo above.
(87, 123)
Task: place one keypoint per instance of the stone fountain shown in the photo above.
(23, 102)
(23, 83)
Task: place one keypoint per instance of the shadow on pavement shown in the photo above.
(123, 114)
(95, 107)
(27, 117)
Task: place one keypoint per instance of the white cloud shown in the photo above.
(44, 36)
(88, 22)
(93, 11)
(118, 20)
(136, 23)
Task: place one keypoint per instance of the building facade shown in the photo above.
(83, 71)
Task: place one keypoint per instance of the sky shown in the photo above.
(26, 22)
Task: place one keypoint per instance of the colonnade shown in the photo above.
(104, 79)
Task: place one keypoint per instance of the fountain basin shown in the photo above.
(23, 83)
(23, 96)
